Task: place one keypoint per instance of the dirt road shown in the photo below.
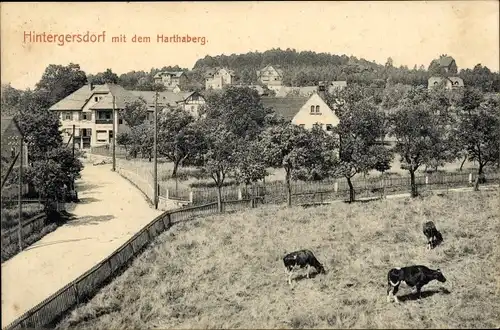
(111, 211)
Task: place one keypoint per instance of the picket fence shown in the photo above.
(84, 287)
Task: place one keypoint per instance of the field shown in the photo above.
(226, 271)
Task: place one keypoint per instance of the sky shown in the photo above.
(410, 32)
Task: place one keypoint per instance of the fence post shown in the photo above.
(240, 197)
(166, 194)
(426, 180)
(336, 186)
(191, 197)
(470, 177)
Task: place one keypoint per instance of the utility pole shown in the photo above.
(73, 153)
(155, 153)
(114, 135)
(73, 142)
(20, 228)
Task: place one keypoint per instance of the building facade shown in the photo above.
(218, 78)
(171, 80)
(449, 82)
(271, 76)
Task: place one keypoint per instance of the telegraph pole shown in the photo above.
(155, 153)
(114, 136)
(20, 228)
(73, 142)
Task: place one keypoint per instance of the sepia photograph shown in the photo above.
(250, 165)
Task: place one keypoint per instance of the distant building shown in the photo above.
(271, 76)
(171, 79)
(307, 91)
(218, 78)
(449, 82)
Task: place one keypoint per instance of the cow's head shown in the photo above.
(439, 276)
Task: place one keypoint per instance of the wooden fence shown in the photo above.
(85, 286)
(305, 192)
(30, 226)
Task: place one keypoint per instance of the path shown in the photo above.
(111, 211)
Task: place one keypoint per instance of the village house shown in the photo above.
(445, 65)
(305, 111)
(11, 141)
(218, 78)
(188, 101)
(90, 110)
(11, 136)
(271, 76)
(172, 80)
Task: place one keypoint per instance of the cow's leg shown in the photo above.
(396, 288)
(290, 277)
(392, 289)
(419, 292)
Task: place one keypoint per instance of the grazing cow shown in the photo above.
(301, 259)
(433, 235)
(413, 276)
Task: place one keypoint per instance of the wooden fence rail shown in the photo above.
(85, 286)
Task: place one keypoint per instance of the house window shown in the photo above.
(86, 116)
(97, 98)
(86, 132)
(67, 115)
(312, 108)
(104, 115)
(329, 127)
(317, 109)
(110, 134)
(101, 136)
(120, 121)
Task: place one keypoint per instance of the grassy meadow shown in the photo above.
(226, 271)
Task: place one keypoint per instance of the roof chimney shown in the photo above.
(321, 88)
(91, 86)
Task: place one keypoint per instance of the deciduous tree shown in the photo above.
(479, 129)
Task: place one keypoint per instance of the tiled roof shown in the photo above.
(164, 98)
(285, 106)
(78, 99)
(122, 97)
(74, 101)
(170, 73)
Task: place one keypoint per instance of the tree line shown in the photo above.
(52, 167)
(236, 136)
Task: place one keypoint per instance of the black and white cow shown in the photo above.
(300, 259)
(433, 235)
(414, 276)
